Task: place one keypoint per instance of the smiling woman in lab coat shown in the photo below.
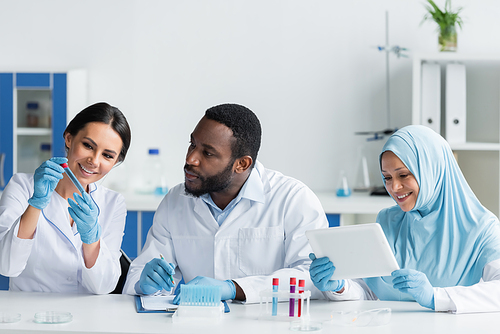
(45, 245)
(445, 241)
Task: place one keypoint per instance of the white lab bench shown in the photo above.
(357, 208)
(117, 314)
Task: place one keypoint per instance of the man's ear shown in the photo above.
(243, 164)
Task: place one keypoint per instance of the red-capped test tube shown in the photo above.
(302, 284)
(293, 282)
(276, 283)
(73, 178)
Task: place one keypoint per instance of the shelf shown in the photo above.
(34, 131)
(476, 147)
(456, 56)
(480, 154)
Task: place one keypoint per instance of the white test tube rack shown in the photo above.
(266, 298)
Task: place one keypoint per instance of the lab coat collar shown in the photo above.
(253, 189)
(52, 214)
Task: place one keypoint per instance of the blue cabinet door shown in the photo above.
(4, 283)
(136, 230)
(333, 219)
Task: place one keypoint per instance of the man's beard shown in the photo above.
(214, 183)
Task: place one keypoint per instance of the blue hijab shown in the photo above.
(448, 235)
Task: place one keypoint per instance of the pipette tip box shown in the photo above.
(199, 304)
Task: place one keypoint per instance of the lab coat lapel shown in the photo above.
(254, 194)
(202, 210)
(56, 214)
(240, 209)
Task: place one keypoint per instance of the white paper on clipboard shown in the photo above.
(357, 251)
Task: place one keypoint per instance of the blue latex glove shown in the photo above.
(84, 212)
(155, 276)
(46, 178)
(228, 290)
(416, 284)
(320, 271)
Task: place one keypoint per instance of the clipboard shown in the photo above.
(140, 309)
(356, 251)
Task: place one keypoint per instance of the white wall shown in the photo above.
(306, 68)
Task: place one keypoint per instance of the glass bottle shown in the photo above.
(32, 114)
(45, 153)
(155, 179)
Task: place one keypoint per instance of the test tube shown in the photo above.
(293, 281)
(276, 282)
(302, 284)
(73, 178)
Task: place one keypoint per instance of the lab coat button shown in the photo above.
(69, 279)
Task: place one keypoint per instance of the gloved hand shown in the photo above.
(320, 271)
(46, 178)
(84, 212)
(416, 284)
(228, 290)
(155, 276)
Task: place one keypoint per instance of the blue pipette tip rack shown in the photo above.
(200, 295)
(199, 302)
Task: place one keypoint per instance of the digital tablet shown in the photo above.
(357, 251)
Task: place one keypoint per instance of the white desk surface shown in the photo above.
(357, 203)
(117, 314)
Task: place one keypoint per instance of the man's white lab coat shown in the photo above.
(260, 239)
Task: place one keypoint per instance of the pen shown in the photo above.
(171, 278)
(73, 178)
(293, 281)
(276, 282)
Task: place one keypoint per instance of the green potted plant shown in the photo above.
(447, 21)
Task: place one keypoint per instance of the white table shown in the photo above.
(349, 208)
(358, 208)
(117, 314)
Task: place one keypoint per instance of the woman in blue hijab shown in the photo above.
(445, 241)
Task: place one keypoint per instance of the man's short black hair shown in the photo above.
(245, 126)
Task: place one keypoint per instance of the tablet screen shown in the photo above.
(357, 251)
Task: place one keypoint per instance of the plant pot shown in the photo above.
(448, 39)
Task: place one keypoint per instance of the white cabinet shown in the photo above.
(479, 155)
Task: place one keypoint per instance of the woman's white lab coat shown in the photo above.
(483, 296)
(52, 261)
(261, 238)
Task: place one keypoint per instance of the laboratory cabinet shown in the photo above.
(137, 226)
(476, 106)
(34, 110)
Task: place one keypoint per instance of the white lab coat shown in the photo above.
(52, 261)
(256, 242)
(481, 297)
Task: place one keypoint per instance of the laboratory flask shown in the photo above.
(343, 189)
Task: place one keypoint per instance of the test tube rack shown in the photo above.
(266, 297)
